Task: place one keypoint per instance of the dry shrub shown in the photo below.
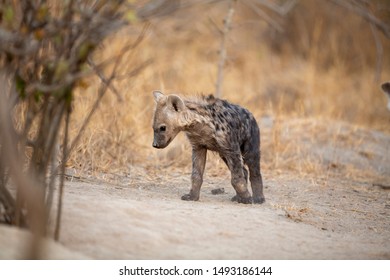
(45, 52)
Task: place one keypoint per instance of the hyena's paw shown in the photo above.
(189, 197)
(259, 200)
(244, 200)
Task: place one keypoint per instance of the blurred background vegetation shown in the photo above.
(285, 59)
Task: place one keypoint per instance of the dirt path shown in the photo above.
(146, 221)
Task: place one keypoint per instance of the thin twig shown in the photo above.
(273, 23)
(364, 13)
(101, 92)
(222, 49)
(282, 10)
(52, 180)
(103, 88)
(62, 177)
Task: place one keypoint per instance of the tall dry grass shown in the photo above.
(323, 66)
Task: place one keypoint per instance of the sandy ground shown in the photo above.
(151, 222)
(343, 213)
(16, 244)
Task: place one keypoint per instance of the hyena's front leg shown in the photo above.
(198, 164)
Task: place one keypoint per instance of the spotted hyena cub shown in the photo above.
(217, 125)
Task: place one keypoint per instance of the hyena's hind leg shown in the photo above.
(251, 154)
(239, 177)
(253, 162)
(386, 89)
(243, 168)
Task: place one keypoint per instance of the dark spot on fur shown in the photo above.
(225, 104)
(210, 108)
(231, 123)
(217, 127)
(244, 113)
(210, 99)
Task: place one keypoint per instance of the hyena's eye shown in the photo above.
(163, 128)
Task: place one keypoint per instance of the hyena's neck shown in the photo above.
(197, 117)
(201, 133)
(195, 121)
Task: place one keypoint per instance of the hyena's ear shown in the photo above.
(386, 88)
(158, 96)
(176, 102)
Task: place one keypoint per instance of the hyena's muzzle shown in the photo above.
(160, 140)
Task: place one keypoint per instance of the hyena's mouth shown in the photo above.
(157, 146)
(167, 143)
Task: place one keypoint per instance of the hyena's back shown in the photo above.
(222, 127)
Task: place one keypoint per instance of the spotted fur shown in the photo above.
(216, 125)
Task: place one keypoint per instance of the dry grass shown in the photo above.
(311, 77)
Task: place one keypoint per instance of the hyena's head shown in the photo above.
(386, 89)
(169, 118)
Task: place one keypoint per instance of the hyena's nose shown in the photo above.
(155, 144)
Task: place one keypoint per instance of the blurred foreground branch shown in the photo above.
(45, 50)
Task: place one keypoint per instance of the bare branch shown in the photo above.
(264, 15)
(222, 49)
(62, 178)
(9, 40)
(282, 10)
(125, 49)
(158, 8)
(366, 14)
